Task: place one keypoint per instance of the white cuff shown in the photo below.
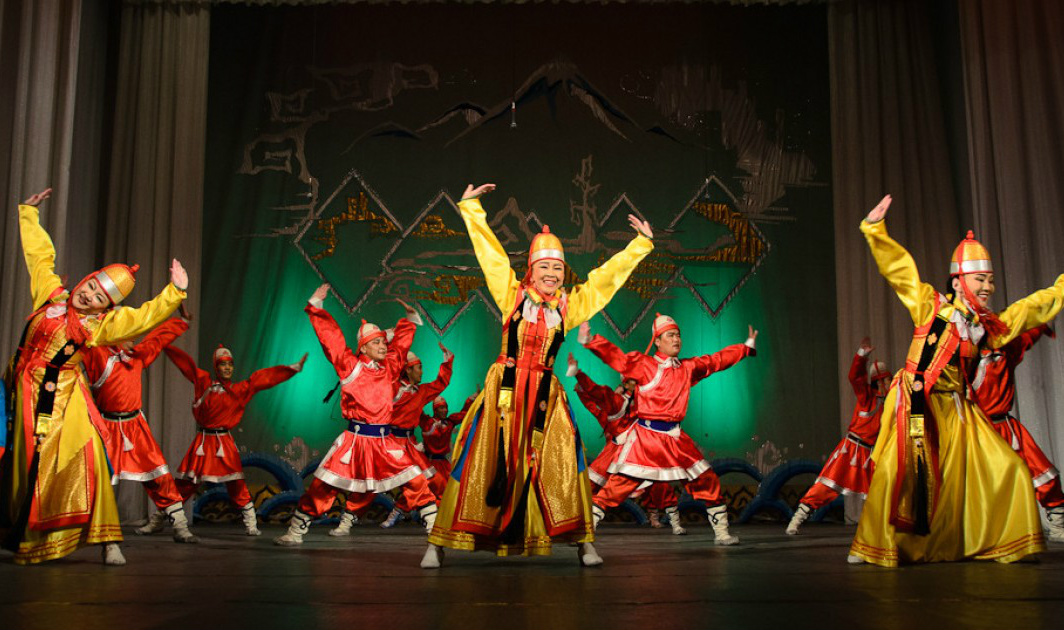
(582, 339)
(861, 352)
(298, 367)
(573, 369)
(749, 343)
(315, 302)
(414, 317)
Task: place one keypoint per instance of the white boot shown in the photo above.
(112, 555)
(433, 557)
(588, 556)
(179, 522)
(674, 520)
(718, 518)
(298, 527)
(393, 519)
(347, 519)
(251, 523)
(799, 517)
(852, 559)
(156, 523)
(597, 514)
(654, 516)
(1056, 524)
(428, 516)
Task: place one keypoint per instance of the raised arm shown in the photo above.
(703, 366)
(400, 344)
(126, 323)
(604, 282)
(38, 250)
(1034, 310)
(896, 265)
(631, 364)
(161, 336)
(187, 365)
(332, 340)
(431, 390)
(273, 376)
(494, 263)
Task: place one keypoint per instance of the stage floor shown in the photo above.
(650, 579)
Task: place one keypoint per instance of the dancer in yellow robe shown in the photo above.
(519, 478)
(946, 486)
(56, 481)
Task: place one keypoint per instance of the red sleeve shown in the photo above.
(627, 364)
(93, 360)
(400, 344)
(332, 340)
(187, 366)
(602, 397)
(270, 377)
(436, 387)
(859, 380)
(703, 366)
(161, 336)
(1018, 347)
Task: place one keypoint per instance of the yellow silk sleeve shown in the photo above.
(603, 283)
(1034, 310)
(897, 266)
(40, 255)
(500, 277)
(125, 323)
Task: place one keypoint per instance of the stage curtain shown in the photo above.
(154, 207)
(888, 136)
(1014, 89)
(51, 125)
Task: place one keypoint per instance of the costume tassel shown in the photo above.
(921, 527)
(497, 491)
(331, 392)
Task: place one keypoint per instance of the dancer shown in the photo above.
(115, 374)
(944, 480)
(436, 431)
(407, 409)
(995, 391)
(518, 480)
(368, 457)
(849, 469)
(661, 497)
(657, 449)
(213, 456)
(56, 481)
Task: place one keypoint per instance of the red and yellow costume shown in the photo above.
(519, 478)
(367, 458)
(115, 380)
(946, 486)
(850, 466)
(56, 431)
(219, 407)
(657, 449)
(995, 390)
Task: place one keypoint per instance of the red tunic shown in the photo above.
(656, 449)
(436, 436)
(409, 404)
(366, 457)
(213, 455)
(849, 468)
(614, 413)
(115, 378)
(995, 392)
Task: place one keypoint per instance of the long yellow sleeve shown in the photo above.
(500, 277)
(897, 266)
(40, 255)
(1034, 310)
(604, 282)
(126, 323)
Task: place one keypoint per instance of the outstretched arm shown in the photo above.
(604, 282)
(38, 250)
(126, 323)
(627, 364)
(443, 378)
(499, 276)
(329, 334)
(273, 376)
(858, 375)
(186, 364)
(897, 266)
(1034, 310)
(161, 336)
(723, 359)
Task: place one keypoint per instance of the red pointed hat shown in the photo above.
(662, 323)
(970, 256)
(368, 332)
(877, 371)
(222, 355)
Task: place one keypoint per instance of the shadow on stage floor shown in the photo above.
(651, 579)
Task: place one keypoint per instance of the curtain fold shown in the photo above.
(888, 136)
(1014, 88)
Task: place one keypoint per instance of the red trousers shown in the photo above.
(818, 496)
(660, 496)
(238, 491)
(618, 487)
(319, 497)
(163, 491)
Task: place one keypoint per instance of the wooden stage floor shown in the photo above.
(650, 579)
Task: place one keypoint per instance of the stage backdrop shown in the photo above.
(341, 138)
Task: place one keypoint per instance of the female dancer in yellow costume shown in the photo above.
(946, 486)
(57, 493)
(519, 478)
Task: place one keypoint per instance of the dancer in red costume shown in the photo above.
(849, 469)
(407, 409)
(995, 392)
(367, 458)
(220, 403)
(657, 449)
(55, 477)
(115, 374)
(436, 431)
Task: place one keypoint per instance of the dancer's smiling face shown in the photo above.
(980, 284)
(89, 297)
(669, 343)
(547, 276)
(225, 370)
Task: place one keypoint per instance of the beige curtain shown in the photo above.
(155, 195)
(51, 84)
(888, 136)
(1014, 87)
